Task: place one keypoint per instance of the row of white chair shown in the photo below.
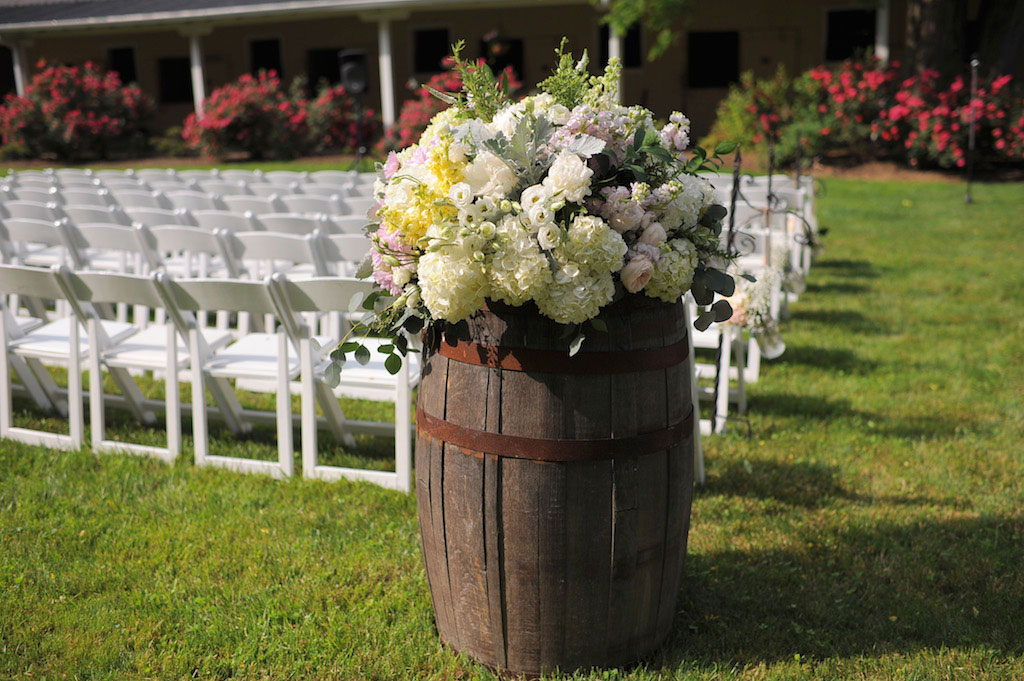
(72, 176)
(286, 352)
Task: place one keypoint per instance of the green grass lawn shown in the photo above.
(872, 526)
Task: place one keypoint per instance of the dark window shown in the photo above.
(322, 66)
(6, 70)
(850, 32)
(713, 58)
(122, 60)
(430, 47)
(501, 53)
(632, 47)
(265, 55)
(175, 80)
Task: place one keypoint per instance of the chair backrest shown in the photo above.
(31, 210)
(195, 200)
(36, 195)
(87, 197)
(105, 287)
(30, 281)
(41, 183)
(165, 174)
(242, 175)
(141, 199)
(198, 174)
(354, 205)
(349, 224)
(175, 239)
(340, 178)
(341, 248)
(103, 237)
(227, 220)
(257, 205)
(151, 217)
(264, 246)
(83, 181)
(27, 230)
(274, 189)
(286, 176)
(328, 190)
(112, 215)
(314, 204)
(223, 187)
(320, 294)
(115, 174)
(172, 185)
(194, 295)
(290, 223)
(124, 183)
(75, 174)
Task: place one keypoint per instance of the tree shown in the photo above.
(660, 17)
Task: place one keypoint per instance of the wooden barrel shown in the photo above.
(554, 492)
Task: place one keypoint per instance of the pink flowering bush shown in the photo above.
(867, 109)
(334, 125)
(255, 115)
(71, 113)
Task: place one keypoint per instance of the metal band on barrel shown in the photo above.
(559, 361)
(552, 449)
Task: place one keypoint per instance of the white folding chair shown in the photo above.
(31, 210)
(257, 205)
(87, 197)
(173, 185)
(155, 174)
(247, 176)
(141, 199)
(338, 178)
(193, 200)
(227, 220)
(314, 205)
(110, 215)
(263, 356)
(340, 254)
(349, 224)
(293, 223)
(223, 187)
(36, 195)
(298, 298)
(275, 189)
(359, 206)
(124, 183)
(153, 217)
(325, 190)
(286, 176)
(36, 243)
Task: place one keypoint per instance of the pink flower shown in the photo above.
(636, 274)
(653, 235)
(391, 166)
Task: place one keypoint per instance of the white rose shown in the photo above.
(461, 194)
(548, 236)
(532, 196)
(569, 177)
(539, 215)
(489, 176)
(470, 216)
(636, 274)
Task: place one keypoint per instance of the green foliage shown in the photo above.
(483, 94)
(570, 80)
(659, 17)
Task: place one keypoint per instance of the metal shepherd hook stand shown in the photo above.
(970, 130)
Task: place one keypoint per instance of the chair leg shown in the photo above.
(403, 428)
(741, 383)
(333, 414)
(230, 407)
(31, 383)
(49, 387)
(75, 418)
(722, 382)
(308, 397)
(284, 408)
(6, 408)
(173, 396)
(200, 443)
(97, 418)
(132, 395)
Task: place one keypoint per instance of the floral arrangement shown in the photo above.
(565, 199)
(72, 112)
(752, 303)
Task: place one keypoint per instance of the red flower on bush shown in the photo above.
(334, 124)
(72, 113)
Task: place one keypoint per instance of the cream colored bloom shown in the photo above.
(489, 176)
(569, 177)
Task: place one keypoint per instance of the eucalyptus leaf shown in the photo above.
(332, 374)
(703, 321)
(638, 138)
(365, 268)
(363, 355)
(393, 364)
(725, 148)
(717, 212)
(586, 145)
(600, 325)
(702, 295)
(315, 344)
(720, 282)
(749, 277)
(413, 324)
(722, 310)
(576, 344)
(355, 301)
(349, 346)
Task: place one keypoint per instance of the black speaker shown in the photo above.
(352, 65)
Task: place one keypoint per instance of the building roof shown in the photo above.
(41, 16)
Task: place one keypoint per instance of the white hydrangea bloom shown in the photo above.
(490, 177)
(688, 196)
(518, 270)
(576, 295)
(592, 243)
(453, 285)
(673, 273)
(569, 177)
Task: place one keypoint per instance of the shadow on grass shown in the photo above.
(849, 267)
(836, 287)
(807, 485)
(849, 320)
(871, 590)
(803, 406)
(839, 359)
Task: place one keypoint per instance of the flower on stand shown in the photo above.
(565, 199)
(753, 307)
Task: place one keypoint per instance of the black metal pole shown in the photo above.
(970, 131)
(359, 132)
(736, 163)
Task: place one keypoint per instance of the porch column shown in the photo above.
(195, 58)
(387, 76)
(20, 61)
(882, 31)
